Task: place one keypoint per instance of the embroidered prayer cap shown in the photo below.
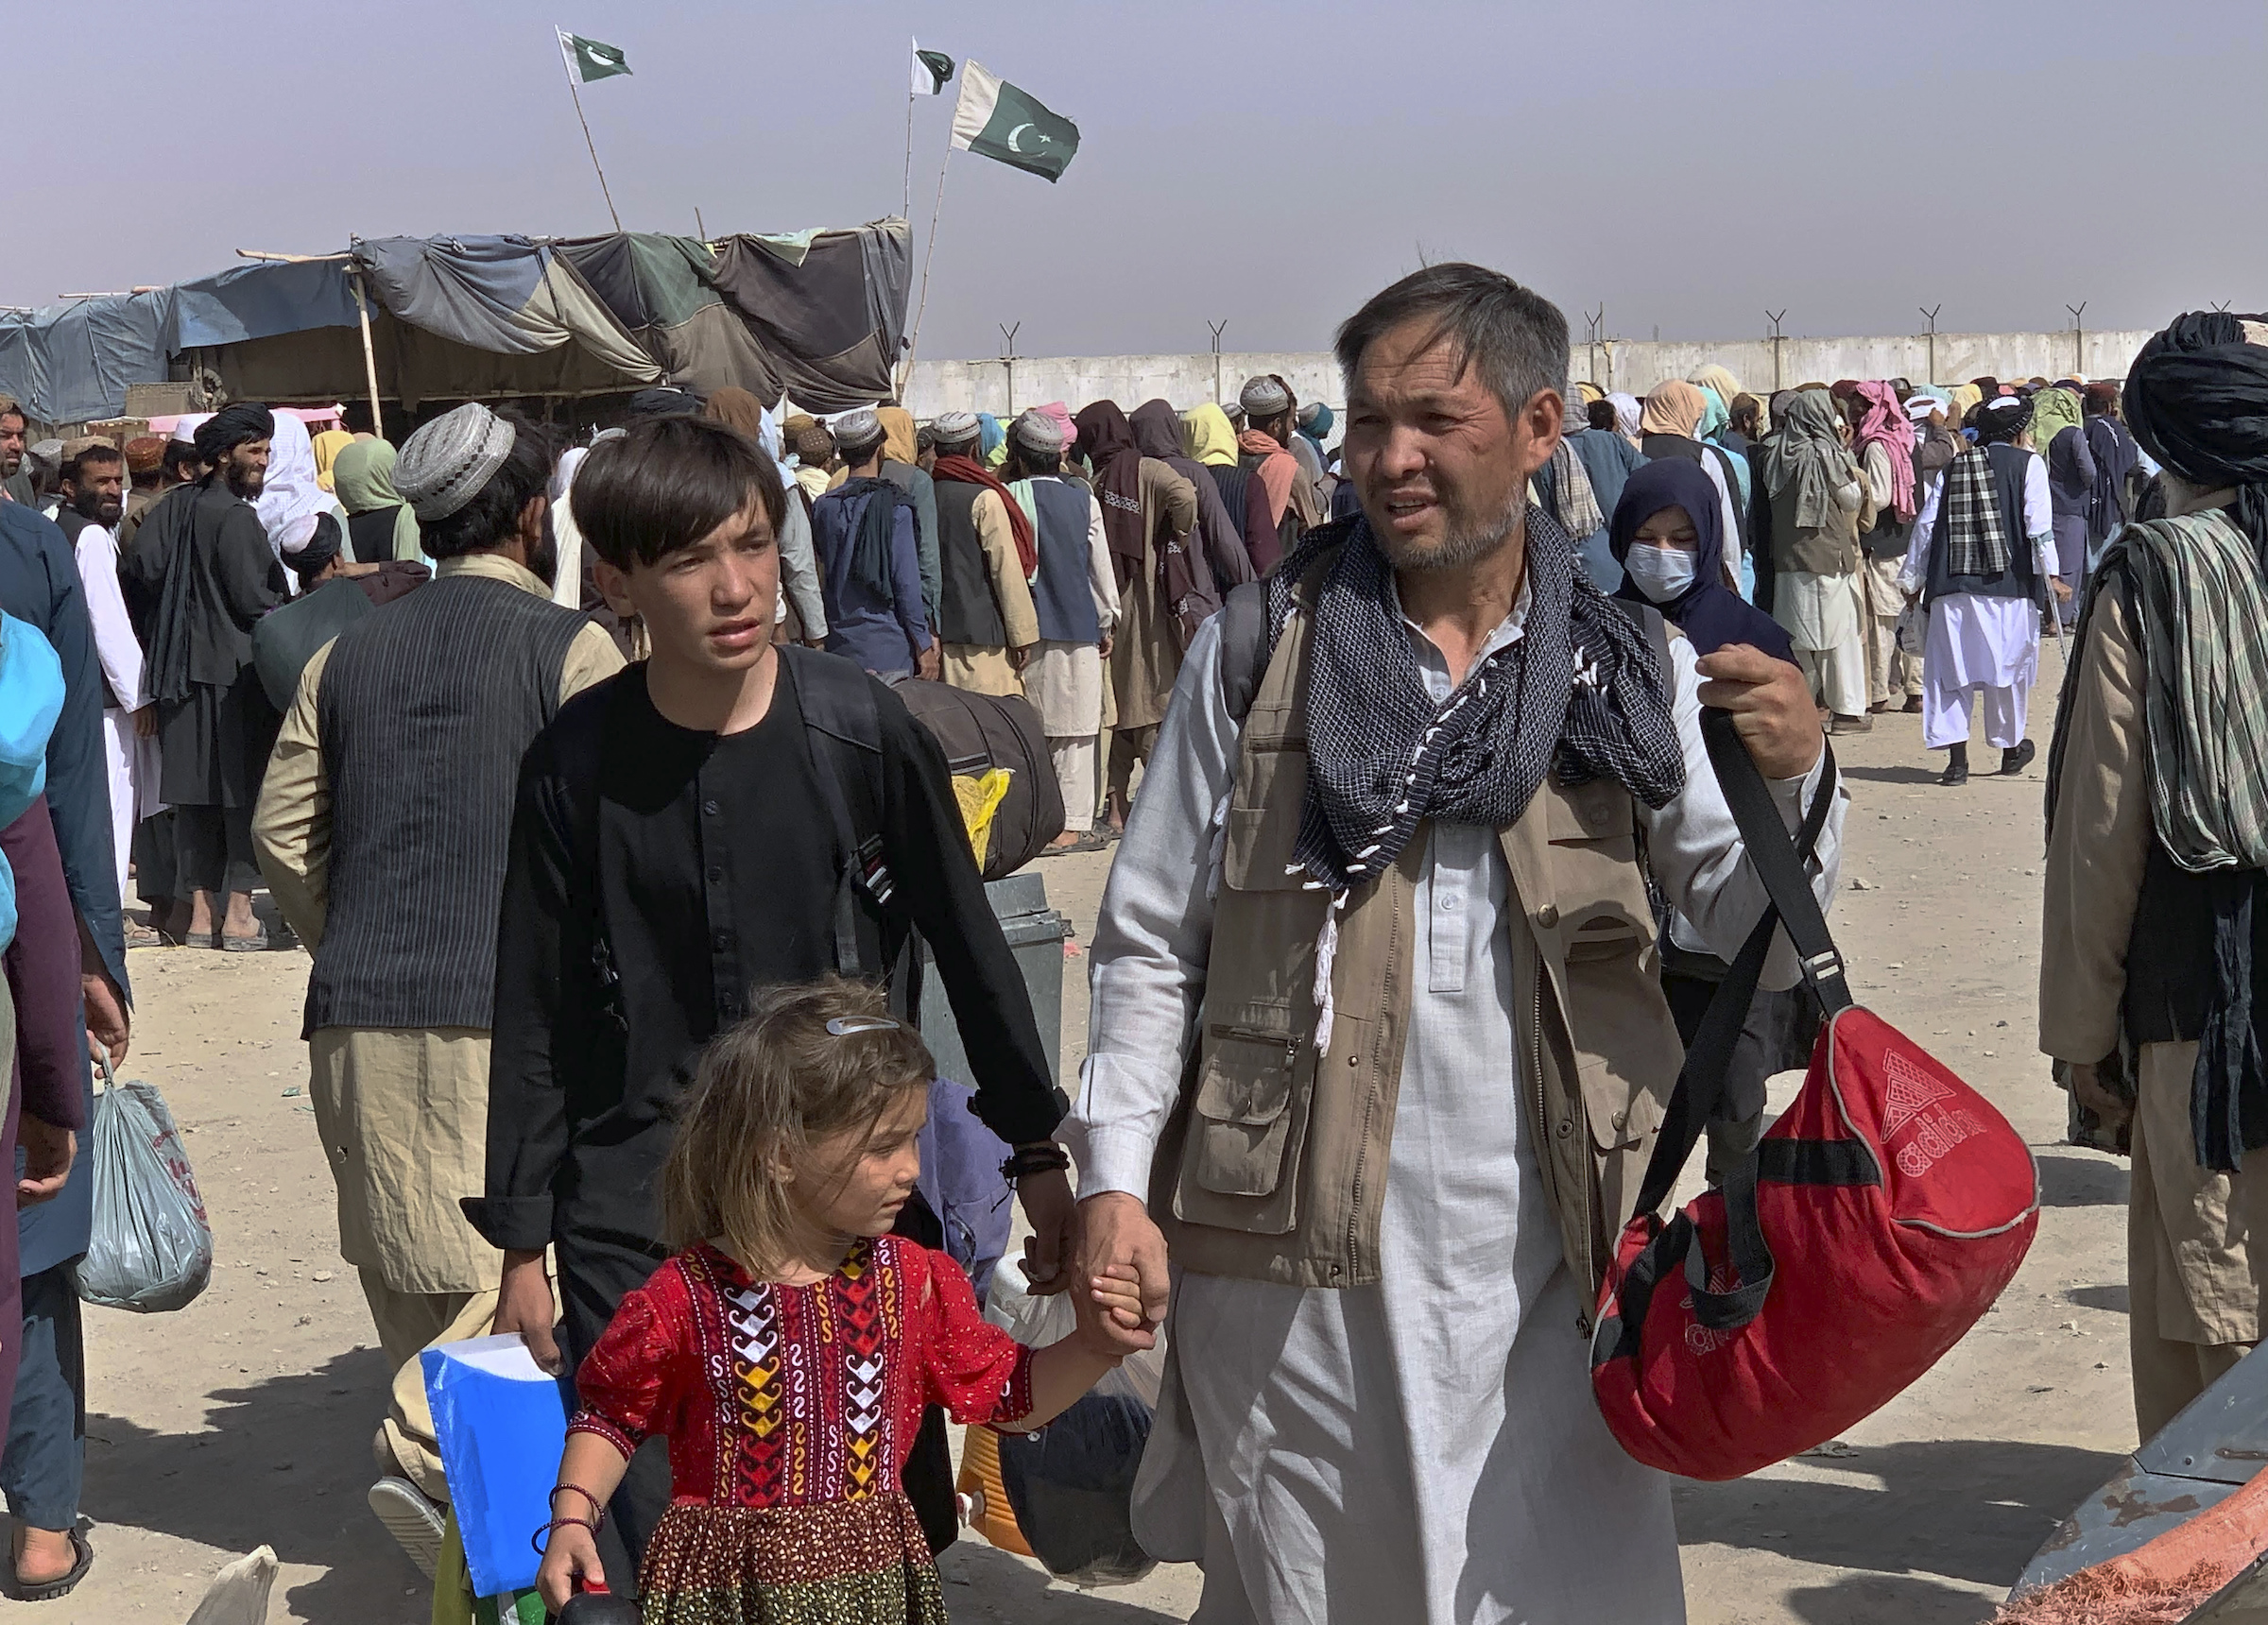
(143, 453)
(955, 428)
(83, 444)
(1263, 397)
(813, 443)
(444, 465)
(1038, 431)
(858, 432)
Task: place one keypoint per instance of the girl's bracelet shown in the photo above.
(541, 1539)
(599, 1508)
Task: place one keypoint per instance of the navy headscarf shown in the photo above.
(1708, 612)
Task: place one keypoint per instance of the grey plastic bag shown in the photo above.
(151, 1248)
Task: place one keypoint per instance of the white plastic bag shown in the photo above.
(1071, 1484)
(151, 1248)
(1912, 630)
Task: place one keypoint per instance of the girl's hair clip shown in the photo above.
(844, 1026)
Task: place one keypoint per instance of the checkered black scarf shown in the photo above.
(1974, 529)
(1580, 690)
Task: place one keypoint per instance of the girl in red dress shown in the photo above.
(789, 1350)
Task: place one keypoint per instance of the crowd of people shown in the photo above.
(610, 1013)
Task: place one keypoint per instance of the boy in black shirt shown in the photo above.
(726, 815)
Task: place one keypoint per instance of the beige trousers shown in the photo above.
(1891, 673)
(2193, 1292)
(409, 1324)
(978, 669)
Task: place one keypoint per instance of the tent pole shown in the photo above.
(370, 358)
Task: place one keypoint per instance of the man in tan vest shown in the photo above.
(1377, 1032)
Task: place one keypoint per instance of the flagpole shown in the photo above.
(906, 207)
(914, 339)
(576, 91)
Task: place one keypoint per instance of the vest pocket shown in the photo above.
(1264, 818)
(1248, 1123)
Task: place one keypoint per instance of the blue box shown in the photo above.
(502, 1423)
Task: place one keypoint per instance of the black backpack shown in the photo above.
(979, 733)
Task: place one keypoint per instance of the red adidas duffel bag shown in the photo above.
(1878, 1219)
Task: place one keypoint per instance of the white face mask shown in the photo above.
(1662, 573)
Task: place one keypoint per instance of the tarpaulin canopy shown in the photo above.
(817, 315)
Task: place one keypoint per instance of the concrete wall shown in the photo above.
(1633, 365)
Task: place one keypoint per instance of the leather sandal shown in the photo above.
(83, 1552)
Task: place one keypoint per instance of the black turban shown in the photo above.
(2003, 418)
(322, 547)
(667, 401)
(230, 427)
(2197, 399)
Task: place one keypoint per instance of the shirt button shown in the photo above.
(716, 871)
(723, 940)
(1547, 917)
(1567, 1127)
(1450, 902)
(1354, 1060)
(711, 808)
(1622, 1119)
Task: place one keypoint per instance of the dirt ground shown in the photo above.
(246, 1418)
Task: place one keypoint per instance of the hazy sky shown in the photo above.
(1267, 164)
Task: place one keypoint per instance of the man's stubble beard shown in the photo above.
(1464, 544)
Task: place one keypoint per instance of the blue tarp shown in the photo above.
(71, 365)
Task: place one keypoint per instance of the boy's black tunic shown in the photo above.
(717, 863)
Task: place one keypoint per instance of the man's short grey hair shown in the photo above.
(1514, 335)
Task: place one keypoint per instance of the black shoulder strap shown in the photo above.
(1774, 854)
(1779, 863)
(1244, 646)
(842, 728)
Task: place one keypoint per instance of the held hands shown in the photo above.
(1771, 706)
(1111, 1321)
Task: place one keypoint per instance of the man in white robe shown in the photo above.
(1983, 557)
(94, 499)
(1425, 1448)
(1074, 592)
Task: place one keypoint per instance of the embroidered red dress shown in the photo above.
(790, 1411)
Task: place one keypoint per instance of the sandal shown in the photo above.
(145, 937)
(256, 944)
(200, 939)
(84, 1551)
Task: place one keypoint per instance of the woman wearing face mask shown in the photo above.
(1668, 533)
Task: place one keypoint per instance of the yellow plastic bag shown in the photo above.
(980, 795)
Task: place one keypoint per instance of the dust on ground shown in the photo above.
(246, 1418)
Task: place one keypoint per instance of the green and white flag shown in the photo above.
(587, 59)
(1002, 122)
(932, 71)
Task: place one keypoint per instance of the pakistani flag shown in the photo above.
(932, 71)
(587, 59)
(1000, 121)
